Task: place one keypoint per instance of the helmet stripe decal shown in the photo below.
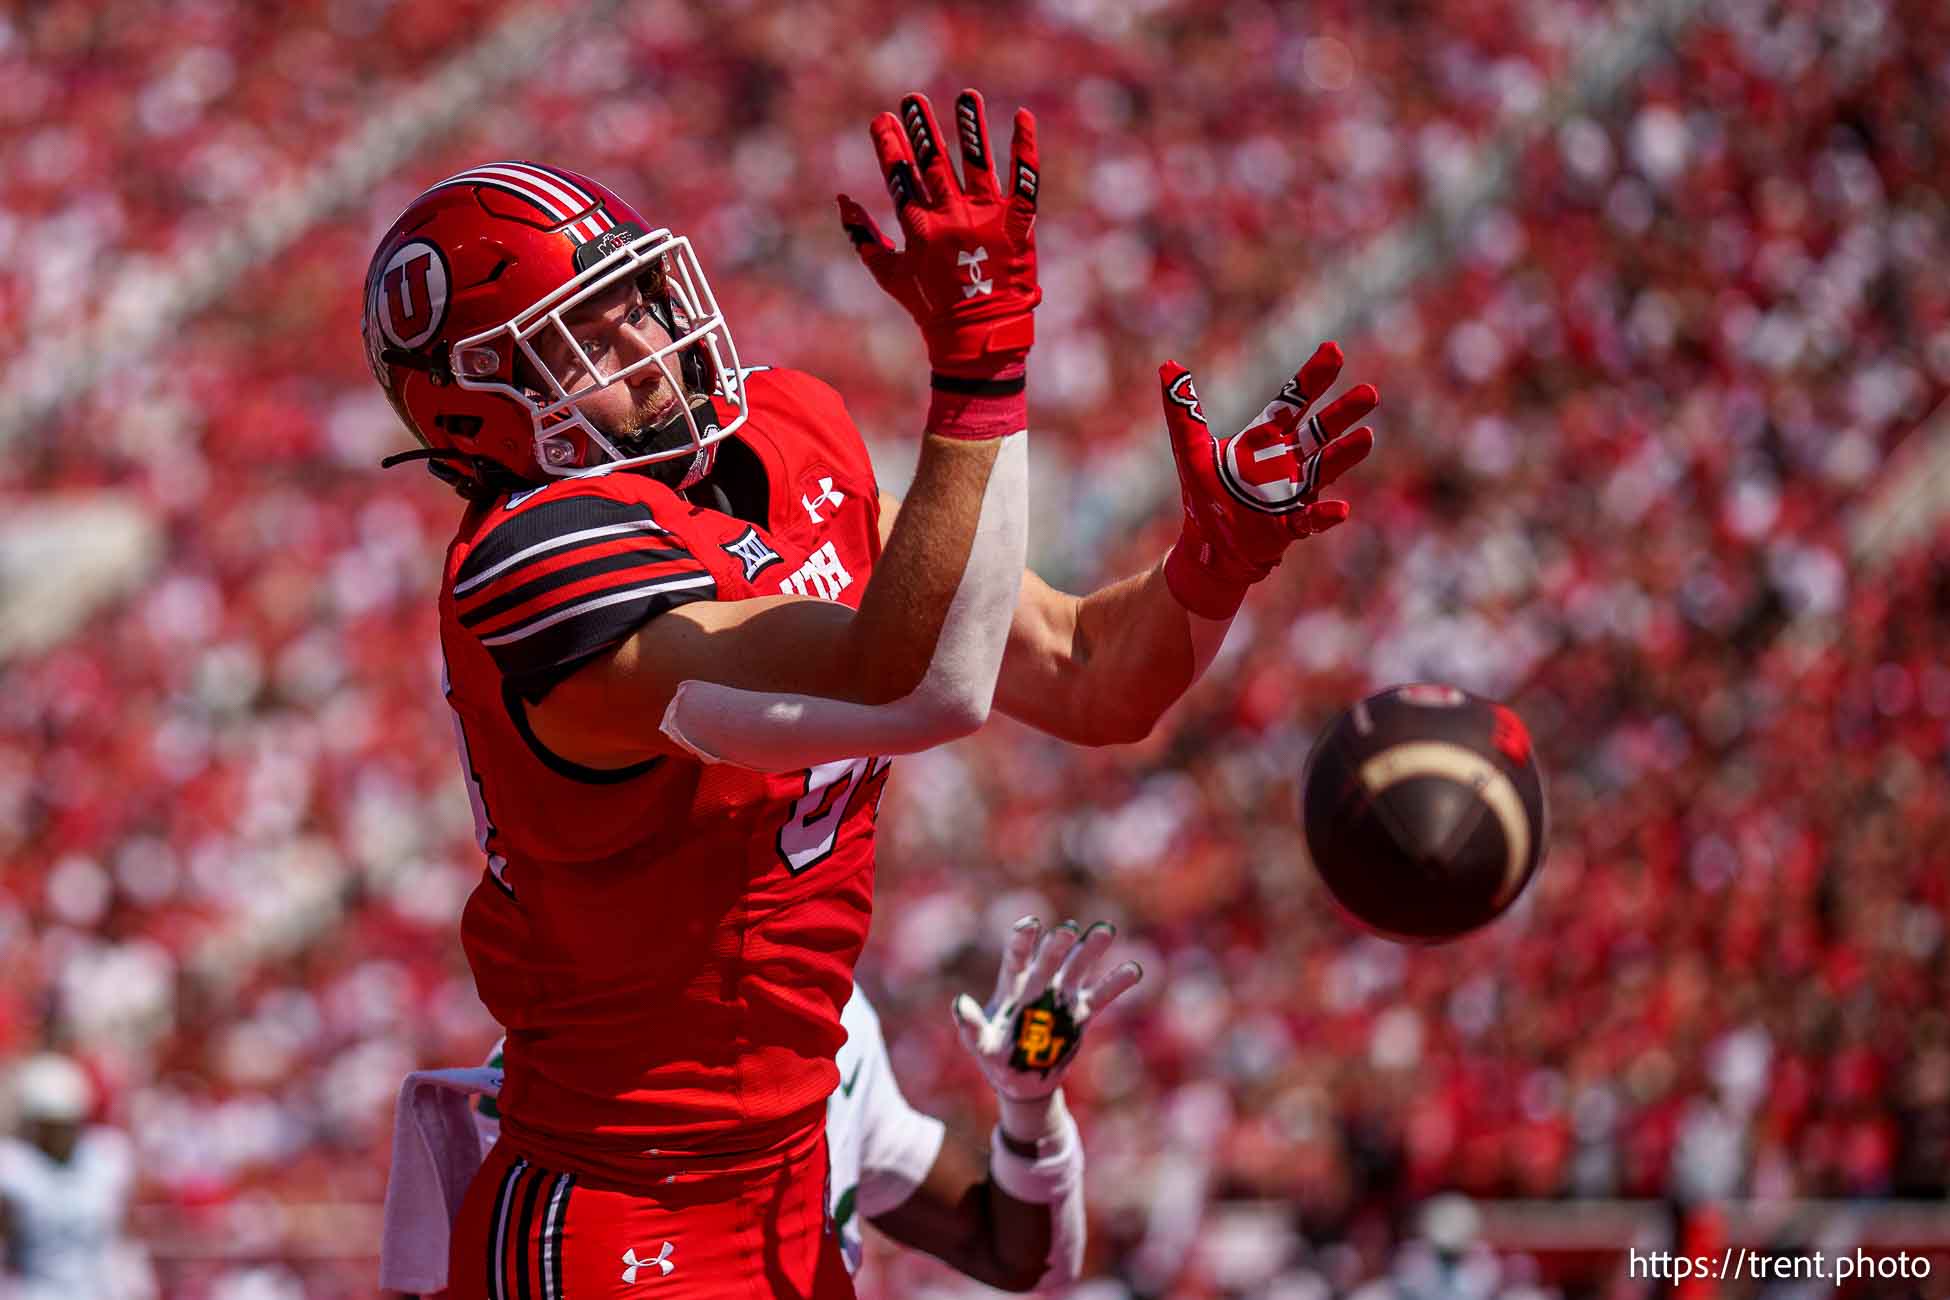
(542, 183)
(568, 191)
(491, 175)
(572, 194)
(554, 195)
(557, 205)
(540, 204)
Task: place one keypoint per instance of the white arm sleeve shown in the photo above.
(776, 732)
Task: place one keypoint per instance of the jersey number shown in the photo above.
(833, 791)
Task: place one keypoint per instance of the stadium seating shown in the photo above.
(1621, 433)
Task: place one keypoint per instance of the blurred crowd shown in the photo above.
(137, 131)
(1622, 433)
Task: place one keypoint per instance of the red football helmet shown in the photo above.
(486, 263)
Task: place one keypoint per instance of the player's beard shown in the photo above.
(651, 428)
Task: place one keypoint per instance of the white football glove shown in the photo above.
(1026, 1037)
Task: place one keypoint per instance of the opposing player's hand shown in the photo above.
(967, 273)
(1248, 497)
(1046, 994)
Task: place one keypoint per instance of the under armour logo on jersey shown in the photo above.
(828, 496)
(752, 552)
(822, 575)
(976, 283)
(632, 1263)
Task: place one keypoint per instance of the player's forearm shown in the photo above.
(893, 636)
(993, 1237)
(945, 586)
(916, 666)
(1015, 1247)
(1102, 669)
(960, 1216)
(927, 644)
(1141, 653)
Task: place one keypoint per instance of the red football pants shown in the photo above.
(527, 1233)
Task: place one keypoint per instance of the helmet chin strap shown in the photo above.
(675, 432)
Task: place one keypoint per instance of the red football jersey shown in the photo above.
(669, 945)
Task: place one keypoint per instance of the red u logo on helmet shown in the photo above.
(412, 294)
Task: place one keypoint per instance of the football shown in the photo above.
(1424, 811)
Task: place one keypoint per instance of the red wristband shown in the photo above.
(979, 409)
(1197, 588)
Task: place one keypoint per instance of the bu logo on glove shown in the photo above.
(1045, 1034)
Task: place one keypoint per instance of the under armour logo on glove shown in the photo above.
(976, 284)
(662, 1261)
(968, 272)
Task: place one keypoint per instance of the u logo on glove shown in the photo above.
(1263, 466)
(1275, 468)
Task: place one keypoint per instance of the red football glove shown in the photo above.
(968, 273)
(1251, 496)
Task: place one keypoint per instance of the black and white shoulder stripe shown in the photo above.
(567, 576)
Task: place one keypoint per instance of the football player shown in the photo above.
(1012, 1217)
(683, 636)
(65, 1185)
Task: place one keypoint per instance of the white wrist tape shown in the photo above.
(776, 732)
(1055, 1179)
(1039, 1119)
